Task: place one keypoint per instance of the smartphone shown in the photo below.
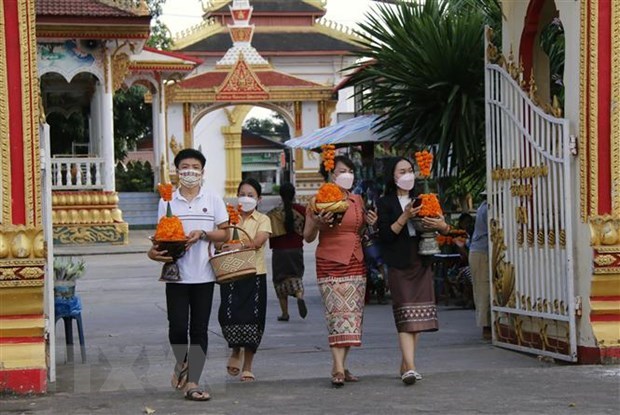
(416, 202)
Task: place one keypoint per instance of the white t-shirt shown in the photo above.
(205, 212)
(404, 201)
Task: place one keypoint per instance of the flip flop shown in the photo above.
(247, 376)
(409, 377)
(197, 394)
(350, 377)
(234, 366)
(301, 306)
(179, 377)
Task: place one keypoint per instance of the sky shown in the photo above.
(182, 14)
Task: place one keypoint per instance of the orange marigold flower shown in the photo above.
(424, 159)
(169, 229)
(329, 192)
(165, 191)
(430, 205)
(233, 214)
(328, 153)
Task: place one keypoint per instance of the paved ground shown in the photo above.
(129, 361)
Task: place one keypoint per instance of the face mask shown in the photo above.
(247, 203)
(345, 180)
(190, 178)
(406, 181)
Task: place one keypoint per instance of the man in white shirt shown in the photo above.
(189, 300)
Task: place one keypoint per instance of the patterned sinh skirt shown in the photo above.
(413, 296)
(242, 311)
(288, 270)
(343, 298)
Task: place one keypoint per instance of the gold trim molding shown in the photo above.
(592, 107)
(120, 69)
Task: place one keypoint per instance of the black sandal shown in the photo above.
(180, 373)
(191, 394)
(301, 307)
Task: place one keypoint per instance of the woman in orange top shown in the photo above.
(340, 269)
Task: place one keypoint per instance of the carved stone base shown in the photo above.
(116, 233)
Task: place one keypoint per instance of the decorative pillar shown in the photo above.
(232, 140)
(161, 125)
(599, 153)
(107, 131)
(23, 366)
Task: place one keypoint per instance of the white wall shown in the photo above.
(209, 138)
(175, 128)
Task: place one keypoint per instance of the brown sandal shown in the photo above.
(338, 379)
(350, 377)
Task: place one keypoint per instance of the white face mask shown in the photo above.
(190, 178)
(345, 180)
(247, 203)
(406, 181)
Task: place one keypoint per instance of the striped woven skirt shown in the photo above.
(342, 289)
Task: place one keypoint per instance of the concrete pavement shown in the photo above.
(129, 361)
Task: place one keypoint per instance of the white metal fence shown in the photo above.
(530, 214)
(77, 173)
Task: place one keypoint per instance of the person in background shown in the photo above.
(243, 304)
(340, 269)
(188, 301)
(479, 266)
(286, 242)
(410, 275)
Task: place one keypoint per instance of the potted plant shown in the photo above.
(67, 270)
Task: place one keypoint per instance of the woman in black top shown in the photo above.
(410, 277)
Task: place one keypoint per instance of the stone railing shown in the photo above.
(77, 173)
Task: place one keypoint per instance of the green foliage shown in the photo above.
(64, 131)
(427, 80)
(552, 42)
(274, 127)
(161, 37)
(133, 119)
(134, 177)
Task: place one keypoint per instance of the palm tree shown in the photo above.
(426, 79)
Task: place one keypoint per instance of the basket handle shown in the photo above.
(232, 227)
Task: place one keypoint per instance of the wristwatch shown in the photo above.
(203, 236)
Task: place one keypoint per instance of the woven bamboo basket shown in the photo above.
(231, 266)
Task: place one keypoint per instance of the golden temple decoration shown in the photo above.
(137, 7)
(116, 233)
(494, 56)
(592, 108)
(78, 217)
(21, 242)
(583, 111)
(241, 84)
(502, 272)
(174, 145)
(520, 173)
(120, 69)
(203, 30)
(605, 231)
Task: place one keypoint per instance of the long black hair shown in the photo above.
(287, 193)
(338, 159)
(251, 182)
(390, 184)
